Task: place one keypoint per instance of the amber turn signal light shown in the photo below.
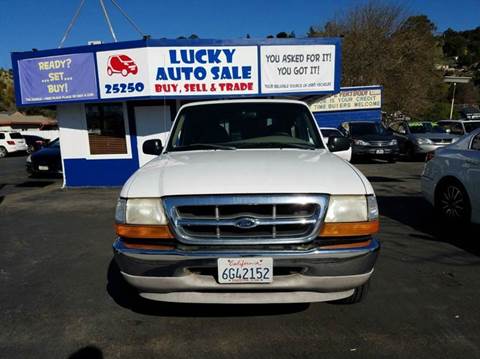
(143, 231)
(349, 229)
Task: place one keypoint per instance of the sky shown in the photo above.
(27, 24)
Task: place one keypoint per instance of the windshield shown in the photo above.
(366, 128)
(470, 126)
(244, 125)
(15, 135)
(125, 58)
(424, 127)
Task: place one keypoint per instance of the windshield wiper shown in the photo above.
(304, 146)
(203, 146)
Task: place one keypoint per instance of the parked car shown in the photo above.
(328, 132)
(371, 140)
(34, 143)
(272, 215)
(121, 64)
(46, 160)
(451, 179)
(459, 127)
(11, 142)
(419, 138)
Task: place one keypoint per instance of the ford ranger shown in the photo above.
(245, 203)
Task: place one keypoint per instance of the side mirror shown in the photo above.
(337, 143)
(152, 147)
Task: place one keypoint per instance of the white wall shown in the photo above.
(73, 131)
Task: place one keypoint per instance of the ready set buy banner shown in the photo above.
(150, 69)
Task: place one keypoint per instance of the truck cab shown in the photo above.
(246, 203)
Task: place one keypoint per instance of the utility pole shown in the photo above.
(455, 80)
(453, 99)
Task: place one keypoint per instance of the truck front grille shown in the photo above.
(246, 219)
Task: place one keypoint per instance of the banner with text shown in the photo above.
(297, 68)
(174, 69)
(57, 78)
(349, 99)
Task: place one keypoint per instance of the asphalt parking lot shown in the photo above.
(61, 295)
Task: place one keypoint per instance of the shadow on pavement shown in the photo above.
(88, 352)
(416, 212)
(34, 184)
(383, 179)
(127, 297)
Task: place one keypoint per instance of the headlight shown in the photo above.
(392, 143)
(352, 209)
(424, 141)
(360, 143)
(29, 159)
(351, 216)
(140, 211)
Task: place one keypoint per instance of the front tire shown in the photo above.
(452, 202)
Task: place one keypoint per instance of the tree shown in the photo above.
(382, 45)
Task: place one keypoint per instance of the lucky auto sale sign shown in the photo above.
(178, 71)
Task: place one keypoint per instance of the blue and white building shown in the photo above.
(110, 98)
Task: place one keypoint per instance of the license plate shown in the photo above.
(379, 152)
(43, 168)
(245, 270)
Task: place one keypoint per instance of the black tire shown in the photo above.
(392, 159)
(452, 202)
(358, 295)
(3, 152)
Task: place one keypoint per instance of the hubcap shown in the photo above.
(3, 152)
(452, 202)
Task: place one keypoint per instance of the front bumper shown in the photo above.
(424, 149)
(300, 275)
(375, 151)
(33, 168)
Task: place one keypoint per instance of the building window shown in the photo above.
(106, 129)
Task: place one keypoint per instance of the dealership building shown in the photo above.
(111, 98)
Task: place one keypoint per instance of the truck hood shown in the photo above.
(246, 171)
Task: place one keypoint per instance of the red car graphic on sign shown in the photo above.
(121, 64)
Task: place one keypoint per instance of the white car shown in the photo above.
(328, 132)
(11, 142)
(247, 204)
(451, 179)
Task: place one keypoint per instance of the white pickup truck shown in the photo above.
(246, 204)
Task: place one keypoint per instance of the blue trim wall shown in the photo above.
(335, 119)
(81, 172)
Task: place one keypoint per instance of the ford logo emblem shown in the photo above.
(246, 223)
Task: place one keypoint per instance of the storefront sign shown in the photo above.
(57, 78)
(176, 69)
(123, 73)
(297, 68)
(349, 100)
(194, 71)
